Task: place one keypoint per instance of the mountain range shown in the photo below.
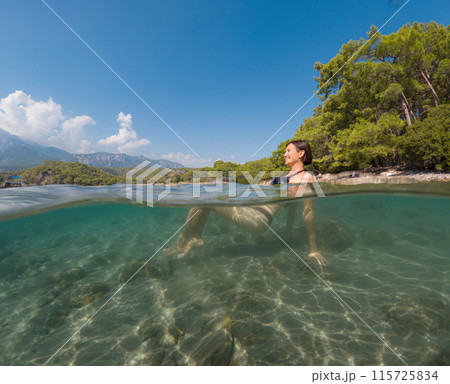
(17, 153)
(106, 159)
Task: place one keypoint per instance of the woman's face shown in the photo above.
(291, 155)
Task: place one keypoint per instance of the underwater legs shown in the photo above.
(246, 218)
(190, 237)
(250, 219)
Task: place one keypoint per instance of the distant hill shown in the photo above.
(121, 160)
(59, 172)
(16, 153)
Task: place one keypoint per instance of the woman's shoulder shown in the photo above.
(308, 177)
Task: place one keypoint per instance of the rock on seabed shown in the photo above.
(333, 235)
(86, 294)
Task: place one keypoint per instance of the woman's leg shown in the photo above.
(292, 208)
(200, 223)
(308, 217)
(253, 220)
(190, 237)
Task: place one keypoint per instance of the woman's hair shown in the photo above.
(303, 145)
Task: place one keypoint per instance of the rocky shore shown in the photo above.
(389, 176)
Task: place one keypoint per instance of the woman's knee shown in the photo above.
(258, 229)
(245, 218)
(255, 225)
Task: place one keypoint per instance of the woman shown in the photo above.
(257, 219)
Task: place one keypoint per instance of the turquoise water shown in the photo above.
(241, 299)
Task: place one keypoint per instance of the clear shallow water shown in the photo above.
(241, 299)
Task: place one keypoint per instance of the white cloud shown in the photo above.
(86, 147)
(127, 139)
(189, 160)
(43, 122)
(72, 135)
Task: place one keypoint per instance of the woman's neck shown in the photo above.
(297, 167)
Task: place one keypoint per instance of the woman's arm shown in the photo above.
(308, 217)
(290, 218)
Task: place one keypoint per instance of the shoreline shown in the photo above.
(389, 176)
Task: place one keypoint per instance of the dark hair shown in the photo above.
(302, 145)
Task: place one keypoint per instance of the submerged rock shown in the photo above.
(86, 294)
(170, 336)
(55, 319)
(52, 316)
(246, 331)
(333, 235)
(149, 330)
(130, 343)
(215, 348)
(105, 258)
(156, 269)
(159, 269)
(155, 357)
(103, 352)
(416, 314)
(67, 277)
(190, 319)
(218, 323)
(14, 265)
(376, 236)
(29, 262)
(130, 269)
(442, 358)
(173, 358)
(251, 306)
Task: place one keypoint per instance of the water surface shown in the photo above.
(239, 300)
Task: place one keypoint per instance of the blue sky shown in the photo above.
(225, 75)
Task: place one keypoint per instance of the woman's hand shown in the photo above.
(318, 257)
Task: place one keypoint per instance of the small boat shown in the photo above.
(12, 184)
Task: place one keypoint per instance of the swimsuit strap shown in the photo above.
(294, 174)
(279, 180)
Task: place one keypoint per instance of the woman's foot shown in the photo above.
(183, 250)
(318, 257)
(193, 243)
(171, 250)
